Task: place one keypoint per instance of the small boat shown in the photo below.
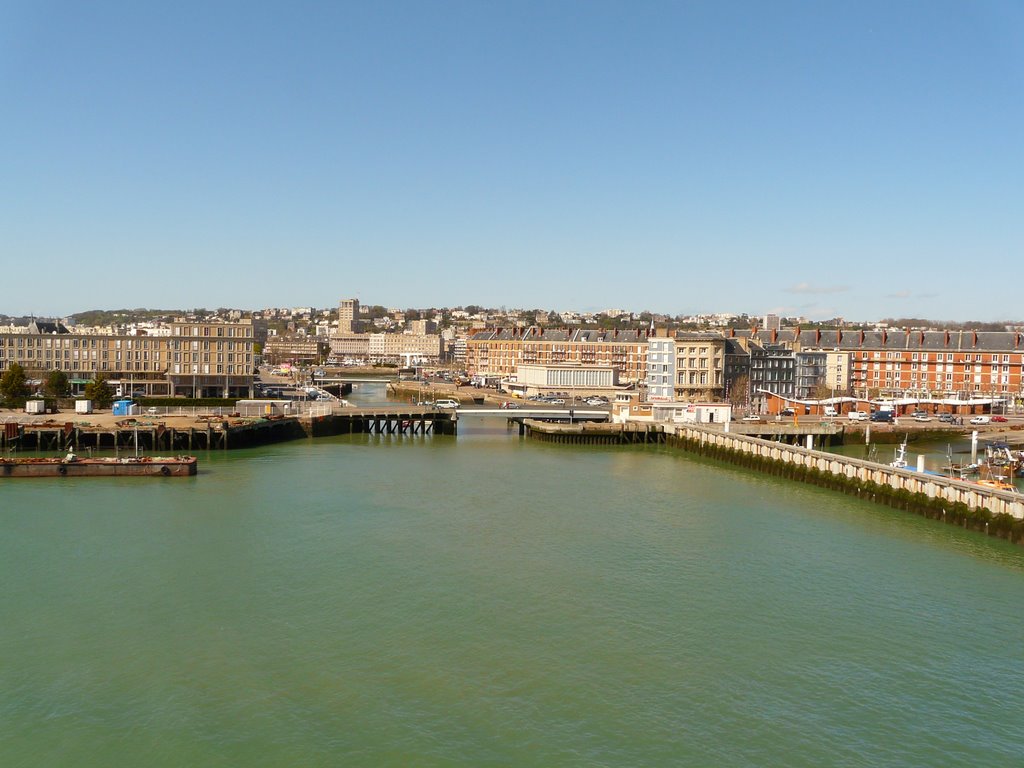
(73, 466)
(997, 485)
(900, 462)
(959, 470)
(963, 470)
(1000, 457)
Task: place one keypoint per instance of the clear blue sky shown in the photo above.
(863, 159)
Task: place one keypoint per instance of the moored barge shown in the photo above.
(73, 466)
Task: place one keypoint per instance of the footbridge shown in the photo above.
(559, 414)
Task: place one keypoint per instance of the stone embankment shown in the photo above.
(955, 501)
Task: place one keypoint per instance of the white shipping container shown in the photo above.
(83, 406)
(35, 406)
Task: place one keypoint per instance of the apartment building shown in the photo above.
(661, 369)
(498, 352)
(354, 345)
(399, 347)
(772, 369)
(296, 349)
(686, 367)
(699, 366)
(810, 369)
(926, 364)
(210, 359)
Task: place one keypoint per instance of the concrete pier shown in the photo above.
(977, 506)
(593, 433)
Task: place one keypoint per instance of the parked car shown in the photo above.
(999, 418)
(981, 420)
(915, 414)
(447, 403)
(922, 417)
(947, 418)
(883, 416)
(751, 417)
(787, 412)
(831, 411)
(857, 416)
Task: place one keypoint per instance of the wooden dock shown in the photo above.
(219, 432)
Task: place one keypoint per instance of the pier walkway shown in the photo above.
(937, 488)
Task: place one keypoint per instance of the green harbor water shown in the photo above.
(484, 601)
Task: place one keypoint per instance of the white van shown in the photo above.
(449, 403)
(857, 416)
(831, 411)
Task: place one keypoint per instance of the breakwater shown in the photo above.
(999, 513)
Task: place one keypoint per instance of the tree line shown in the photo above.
(15, 388)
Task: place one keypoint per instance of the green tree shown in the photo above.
(100, 392)
(57, 384)
(14, 386)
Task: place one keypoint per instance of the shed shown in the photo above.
(125, 408)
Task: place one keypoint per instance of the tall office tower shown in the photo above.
(348, 316)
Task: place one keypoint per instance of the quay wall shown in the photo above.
(999, 513)
(592, 433)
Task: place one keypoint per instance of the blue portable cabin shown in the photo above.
(125, 408)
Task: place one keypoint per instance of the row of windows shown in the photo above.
(212, 330)
(74, 354)
(77, 342)
(939, 366)
(949, 357)
(207, 368)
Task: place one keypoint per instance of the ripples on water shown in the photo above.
(487, 601)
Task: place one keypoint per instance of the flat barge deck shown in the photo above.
(146, 466)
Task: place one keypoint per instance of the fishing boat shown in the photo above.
(1003, 460)
(997, 477)
(997, 485)
(900, 462)
(958, 469)
(74, 466)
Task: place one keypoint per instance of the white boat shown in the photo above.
(900, 462)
